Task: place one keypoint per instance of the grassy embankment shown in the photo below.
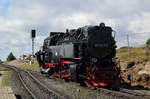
(134, 54)
(5, 76)
(24, 65)
(34, 66)
(139, 54)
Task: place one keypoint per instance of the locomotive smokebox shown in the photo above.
(33, 33)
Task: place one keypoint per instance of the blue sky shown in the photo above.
(18, 17)
(4, 6)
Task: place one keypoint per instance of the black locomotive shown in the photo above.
(86, 55)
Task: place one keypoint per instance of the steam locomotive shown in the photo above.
(85, 55)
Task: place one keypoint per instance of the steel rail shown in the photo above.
(19, 70)
(21, 79)
(140, 94)
(125, 93)
(128, 94)
(45, 87)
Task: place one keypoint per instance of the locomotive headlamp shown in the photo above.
(94, 60)
(56, 54)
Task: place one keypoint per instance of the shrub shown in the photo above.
(1, 61)
(11, 57)
(148, 42)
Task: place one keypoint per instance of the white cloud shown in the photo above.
(45, 15)
(77, 20)
(140, 23)
(73, 21)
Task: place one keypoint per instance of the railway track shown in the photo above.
(33, 86)
(38, 90)
(135, 93)
(125, 93)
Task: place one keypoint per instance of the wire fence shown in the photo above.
(132, 39)
(135, 44)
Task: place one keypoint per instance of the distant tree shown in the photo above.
(11, 57)
(1, 61)
(125, 47)
(148, 42)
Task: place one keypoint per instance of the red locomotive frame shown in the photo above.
(96, 79)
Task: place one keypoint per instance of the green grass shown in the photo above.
(5, 79)
(2, 68)
(34, 66)
(78, 92)
(134, 54)
(146, 91)
(5, 76)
